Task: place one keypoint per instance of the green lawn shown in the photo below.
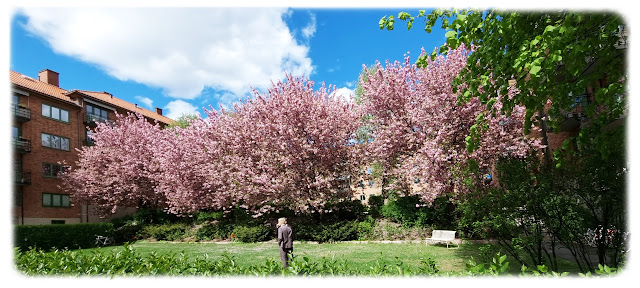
(360, 255)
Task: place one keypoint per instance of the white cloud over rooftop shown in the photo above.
(180, 50)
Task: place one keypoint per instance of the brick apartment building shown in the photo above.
(49, 123)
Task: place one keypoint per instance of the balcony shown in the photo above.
(23, 178)
(21, 113)
(22, 145)
(92, 119)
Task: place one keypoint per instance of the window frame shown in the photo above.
(50, 113)
(52, 166)
(51, 141)
(61, 200)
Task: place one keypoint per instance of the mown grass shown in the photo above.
(359, 255)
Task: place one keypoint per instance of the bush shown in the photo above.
(375, 205)
(217, 230)
(339, 231)
(60, 236)
(204, 216)
(252, 234)
(411, 212)
(169, 232)
(126, 233)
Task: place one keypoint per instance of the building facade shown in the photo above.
(49, 124)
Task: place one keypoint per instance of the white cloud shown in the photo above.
(181, 50)
(344, 93)
(147, 102)
(310, 29)
(178, 108)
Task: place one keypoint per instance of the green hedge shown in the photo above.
(339, 231)
(60, 236)
(252, 234)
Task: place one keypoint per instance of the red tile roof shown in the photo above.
(62, 94)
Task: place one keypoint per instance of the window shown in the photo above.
(97, 112)
(57, 222)
(51, 170)
(363, 197)
(55, 200)
(55, 142)
(370, 184)
(55, 113)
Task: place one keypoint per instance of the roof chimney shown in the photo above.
(158, 111)
(49, 77)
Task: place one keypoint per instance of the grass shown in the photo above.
(359, 255)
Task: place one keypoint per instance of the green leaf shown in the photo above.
(451, 34)
(534, 70)
(383, 22)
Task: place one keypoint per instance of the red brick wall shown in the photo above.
(32, 162)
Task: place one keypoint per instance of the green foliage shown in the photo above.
(252, 234)
(204, 216)
(410, 212)
(375, 205)
(498, 266)
(603, 270)
(183, 121)
(168, 232)
(218, 230)
(366, 229)
(129, 262)
(551, 55)
(59, 236)
(338, 231)
(145, 216)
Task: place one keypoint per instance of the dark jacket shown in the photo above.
(285, 237)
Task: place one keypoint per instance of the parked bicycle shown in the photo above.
(103, 241)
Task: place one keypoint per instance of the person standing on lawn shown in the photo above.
(285, 241)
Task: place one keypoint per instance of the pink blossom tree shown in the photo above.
(423, 137)
(119, 170)
(291, 147)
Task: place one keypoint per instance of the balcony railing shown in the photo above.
(22, 145)
(22, 114)
(23, 178)
(94, 119)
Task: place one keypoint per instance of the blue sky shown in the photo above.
(183, 59)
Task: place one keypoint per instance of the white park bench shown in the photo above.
(442, 236)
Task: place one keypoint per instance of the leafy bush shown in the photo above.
(59, 236)
(411, 212)
(366, 228)
(168, 232)
(252, 234)
(375, 205)
(204, 216)
(339, 231)
(213, 231)
(126, 233)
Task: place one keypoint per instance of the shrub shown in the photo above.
(169, 232)
(126, 233)
(204, 216)
(338, 231)
(411, 212)
(375, 205)
(60, 236)
(217, 230)
(252, 234)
